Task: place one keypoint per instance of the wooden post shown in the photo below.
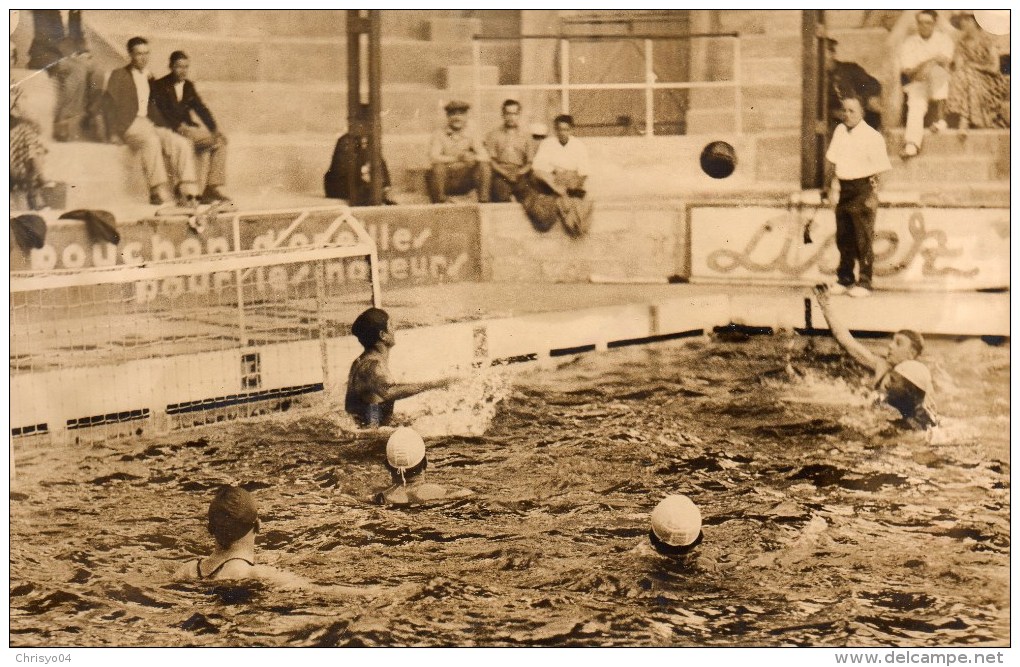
(813, 120)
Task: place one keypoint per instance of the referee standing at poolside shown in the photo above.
(857, 154)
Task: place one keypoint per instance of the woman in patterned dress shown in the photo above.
(977, 90)
(27, 149)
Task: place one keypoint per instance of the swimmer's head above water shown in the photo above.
(373, 326)
(232, 515)
(906, 344)
(405, 455)
(676, 526)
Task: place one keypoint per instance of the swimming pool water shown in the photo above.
(824, 524)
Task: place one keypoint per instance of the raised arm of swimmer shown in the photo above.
(842, 334)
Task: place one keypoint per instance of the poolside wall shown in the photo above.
(629, 241)
(697, 238)
(181, 392)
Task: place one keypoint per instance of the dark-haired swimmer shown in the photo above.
(905, 381)
(406, 461)
(370, 390)
(233, 523)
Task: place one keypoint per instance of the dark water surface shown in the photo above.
(825, 525)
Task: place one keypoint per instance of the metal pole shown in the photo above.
(649, 91)
(813, 126)
(565, 76)
(354, 24)
(375, 104)
(738, 92)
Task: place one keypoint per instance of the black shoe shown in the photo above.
(213, 195)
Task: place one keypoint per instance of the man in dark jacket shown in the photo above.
(185, 113)
(848, 79)
(133, 118)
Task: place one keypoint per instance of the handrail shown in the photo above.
(650, 82)
(595, 37)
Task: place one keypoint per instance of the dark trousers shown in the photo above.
(855, 231)
(502, 189)
(458, 178)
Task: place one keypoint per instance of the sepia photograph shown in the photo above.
(562, 328)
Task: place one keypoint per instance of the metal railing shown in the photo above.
(649, 85)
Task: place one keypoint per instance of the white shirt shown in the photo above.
(858, 153)
(142, 88)
(915, 50)
(554, 156)
(179, 90)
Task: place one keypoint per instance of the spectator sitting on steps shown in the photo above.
(460, 162)
(924, 63)
(978, 91)
(133, 118)
(352, 149)
(511, 152)
(184, 112)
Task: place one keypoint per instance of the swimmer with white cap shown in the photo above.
(406, 461)
(676, 526)
(905, 381)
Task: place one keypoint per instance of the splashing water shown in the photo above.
(824, 525)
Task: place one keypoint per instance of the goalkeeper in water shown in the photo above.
(371, 391)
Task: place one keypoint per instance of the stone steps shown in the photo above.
(298, 59)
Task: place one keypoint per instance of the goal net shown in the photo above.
(160, 346)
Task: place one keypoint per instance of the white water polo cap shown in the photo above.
(676, 521)
(916, 374)
(405, 448)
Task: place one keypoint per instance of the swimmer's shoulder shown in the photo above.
(187, 570)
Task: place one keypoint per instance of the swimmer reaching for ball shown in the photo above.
(905, 381)
(406, 461)
(370, 390)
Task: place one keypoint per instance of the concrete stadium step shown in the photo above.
(414, 24)
(96, 174)
(931, 170)
(255, 108)
(453, 29)
(305, 23)
(293, 59)
(953, 143)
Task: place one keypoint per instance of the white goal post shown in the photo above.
(159, 346)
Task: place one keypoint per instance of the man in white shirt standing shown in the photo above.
(924, 62)
(857, 154)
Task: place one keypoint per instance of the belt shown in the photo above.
(855, 181)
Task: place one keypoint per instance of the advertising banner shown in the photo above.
(915, 248)
(418, 246)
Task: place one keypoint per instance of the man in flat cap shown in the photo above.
(459, 160)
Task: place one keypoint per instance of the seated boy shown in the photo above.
(370, 390)
(406, 461)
